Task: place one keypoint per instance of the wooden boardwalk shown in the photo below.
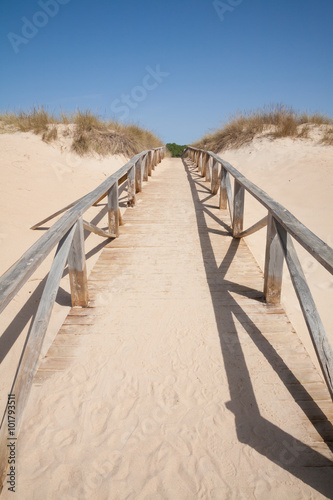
(200, 389)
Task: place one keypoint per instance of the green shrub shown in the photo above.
(175, 149)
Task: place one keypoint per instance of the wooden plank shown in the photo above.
(230, 197)
(203, 164)
(208, 168)
(149, 163)
(138, 176)
(113, 210)
(131, 187)
(238, 218)
(32, 348)
(94, 229)
(316, 328)
(223, 201)
(253, 229)
(215, 177)
(273, 264)
(144, 167)
(77, 268)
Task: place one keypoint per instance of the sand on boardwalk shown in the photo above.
(299, 175)
(37, 179)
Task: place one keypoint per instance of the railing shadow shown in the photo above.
(252, 428)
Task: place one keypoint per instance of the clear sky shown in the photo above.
(179, 67)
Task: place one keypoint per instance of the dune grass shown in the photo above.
(89, 132)
(274, 121)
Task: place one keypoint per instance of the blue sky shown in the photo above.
(211, 59)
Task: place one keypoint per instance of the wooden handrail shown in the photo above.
(281, 226)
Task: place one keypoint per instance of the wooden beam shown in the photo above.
(96, 230)
(215, 177)
(315, 326)
(29, 360)
(203, 164)
(223, 203)
(149, 162)
(131, 187)
(144, 167)
(138, 176)
(77, 267)
(208, 168)
(253, 229)
(273, 264)
(113, 210)
(230, 197)
(238, 219)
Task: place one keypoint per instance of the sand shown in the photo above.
(299, 175)
(159, 411)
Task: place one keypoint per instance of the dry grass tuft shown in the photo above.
(328, 137)
(91, 134)
(274, 121)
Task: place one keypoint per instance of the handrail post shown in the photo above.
(145, 167)
(149, 162)
(215, 177)
(138, 176)
(113, 209)
(273, 264)
(131, 186)
(208, 168)
(153, 159)
(203, 164)
(223, 205)
(238, 212)
(77, 268)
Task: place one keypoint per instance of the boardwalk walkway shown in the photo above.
(178, 382)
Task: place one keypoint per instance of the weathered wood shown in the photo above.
(113, 209)
(138, 177)
(203, 164)
(131, 187)
(96, 230)
(208, 168)
(238, 218)
(223, 200)
(144, 168)
(253, 229)
(215, 177)
(315, 326)
(273, 264)
(30, 356)
(149, 162)
(153, 160)
(230, 197)
(77, 268)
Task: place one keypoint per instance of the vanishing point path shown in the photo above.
(177, 382)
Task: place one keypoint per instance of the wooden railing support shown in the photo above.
(149, 162)
(238, 215)
(215, 177)
(113, 209)
(138, 176)
(203, 164)
(77, 268)
(223, 201)
(208, 168)
(273, 264)
(131, 187)
(144, 167)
